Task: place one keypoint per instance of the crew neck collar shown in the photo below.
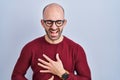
(54, 43)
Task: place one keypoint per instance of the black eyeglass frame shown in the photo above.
(54, 21)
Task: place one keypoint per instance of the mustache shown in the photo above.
(51, 29)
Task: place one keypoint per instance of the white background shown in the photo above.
(94, 24)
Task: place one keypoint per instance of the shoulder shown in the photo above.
(33, 43)
(70, 42)
(73, 44)
(75, 47)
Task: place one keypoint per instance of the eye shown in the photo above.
(48, 22)
(59, 22)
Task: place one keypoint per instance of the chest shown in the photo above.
(66, 54)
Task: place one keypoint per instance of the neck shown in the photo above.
(53, 41)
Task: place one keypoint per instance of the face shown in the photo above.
(53, 22)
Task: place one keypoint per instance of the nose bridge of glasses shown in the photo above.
(54, 26)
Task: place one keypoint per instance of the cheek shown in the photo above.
(46, 28)
(61, 29)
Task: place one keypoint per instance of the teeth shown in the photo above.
(53, 31)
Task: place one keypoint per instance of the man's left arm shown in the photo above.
(81, 65)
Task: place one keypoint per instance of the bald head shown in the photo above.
(53, 10)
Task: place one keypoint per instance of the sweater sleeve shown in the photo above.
(81, 66)
(22, 64)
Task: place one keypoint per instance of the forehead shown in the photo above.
(53, 12)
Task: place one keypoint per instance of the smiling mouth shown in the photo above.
(54, 32)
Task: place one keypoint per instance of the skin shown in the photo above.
(52, 78)
(53, 33)
(53, 36)
(54, 67)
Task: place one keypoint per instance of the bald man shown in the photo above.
(52, 56)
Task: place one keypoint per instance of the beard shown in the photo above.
(54, 34)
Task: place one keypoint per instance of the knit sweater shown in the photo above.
(71, 54)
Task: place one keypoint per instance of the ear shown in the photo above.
(65, 22)
(42, 23)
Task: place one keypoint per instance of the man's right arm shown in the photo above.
(22, 64)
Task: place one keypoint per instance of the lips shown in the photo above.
(54, 32)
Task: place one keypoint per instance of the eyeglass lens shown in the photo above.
(58, 23)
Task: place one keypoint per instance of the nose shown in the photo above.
(54, 26)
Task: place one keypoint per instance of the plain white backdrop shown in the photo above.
(94, 24)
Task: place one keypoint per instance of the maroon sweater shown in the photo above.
(71, 54)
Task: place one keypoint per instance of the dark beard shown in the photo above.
(59, 32)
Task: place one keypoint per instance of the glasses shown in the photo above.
(58, 23)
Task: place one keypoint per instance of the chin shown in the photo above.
(54, 38)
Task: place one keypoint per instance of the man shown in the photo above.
(53, 56)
